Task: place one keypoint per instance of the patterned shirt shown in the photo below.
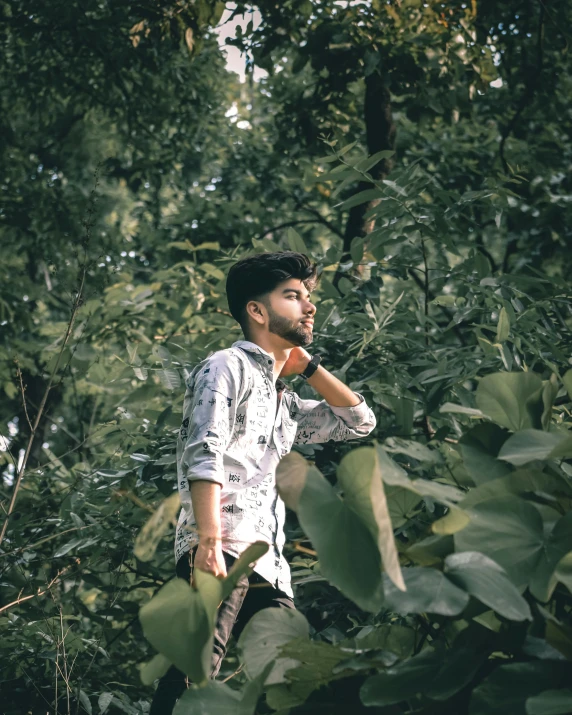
(237, 425)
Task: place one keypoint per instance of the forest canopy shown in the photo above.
(421, 154)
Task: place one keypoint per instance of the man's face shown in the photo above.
(291, 312)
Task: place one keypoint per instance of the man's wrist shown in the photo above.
(209, 542)
(311, 367)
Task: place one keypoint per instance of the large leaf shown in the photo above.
(512, 399)
(395, 476)
(401, 504)
(563, 572)
(215, 698)
(556, 547)
(243, 566)
(550, 702)
(178, 623)
(264, 635)
(484, 579)
(507, 689)
(510, 531)
(479, 448)
(291, 475)
(428, 591)
(212, 699)
(348, 554)
(359, 475)
(521, 481)
(155, 668)
(401, 681)
(530, 444)
(179, 620)
(457, 668)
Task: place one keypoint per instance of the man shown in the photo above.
(239, 420)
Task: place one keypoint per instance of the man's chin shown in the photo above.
(305, 339)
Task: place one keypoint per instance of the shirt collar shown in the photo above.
(264, 359)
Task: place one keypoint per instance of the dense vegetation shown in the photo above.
(422, 154)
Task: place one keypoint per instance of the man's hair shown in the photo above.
(254, 277)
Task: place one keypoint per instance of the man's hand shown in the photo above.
(209, 558)
(297, 362)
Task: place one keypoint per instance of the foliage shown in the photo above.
(438, 209)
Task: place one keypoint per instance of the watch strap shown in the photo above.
(311, 367)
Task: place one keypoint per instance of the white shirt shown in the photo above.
(237, 425)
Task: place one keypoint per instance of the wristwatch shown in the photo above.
(311, 367)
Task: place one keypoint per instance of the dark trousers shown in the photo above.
(234, 613)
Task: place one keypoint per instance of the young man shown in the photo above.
(239, 420)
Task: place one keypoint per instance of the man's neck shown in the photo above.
(276, 347)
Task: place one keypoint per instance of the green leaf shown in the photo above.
(563, 571)
(179, 622)
(263, 636)
(155, 668)
(243, 566)
(550, 702)
(484, 579)
(395, 476)
(508, 530)
(164, 517)
(170, 378)
(369, 162)
(348, 553)
(549, 393)
(401, 503)
(84, 700)
(401, 681)
(295, 241)
(511, 399)
(291, 475)
(556, 546)
(362, 197)
(213, 698)
(392, 185)
(518, 482)
(530, 444)
(510, 685)
(448, 301)
(104, 701)
(360, 477)
(428, 591)
(449, 407)
(479, 448)
(567, 380)
(503, 326)
(413, 449)
(431, 550)
(357, 249)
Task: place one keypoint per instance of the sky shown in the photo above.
(236, 60)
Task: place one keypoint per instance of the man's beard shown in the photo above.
(297, 334)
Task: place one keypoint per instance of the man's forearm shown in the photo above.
(333, 390)
(206, 508)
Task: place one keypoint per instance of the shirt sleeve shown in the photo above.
(320, 422)
(213, 391)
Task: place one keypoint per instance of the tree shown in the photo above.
(444, 298)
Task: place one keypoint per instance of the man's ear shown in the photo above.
(255, 309)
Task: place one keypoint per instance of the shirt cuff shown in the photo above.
(356, 415)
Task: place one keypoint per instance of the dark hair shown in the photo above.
(254, 277)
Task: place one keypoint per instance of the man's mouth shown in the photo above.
(307, 322)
